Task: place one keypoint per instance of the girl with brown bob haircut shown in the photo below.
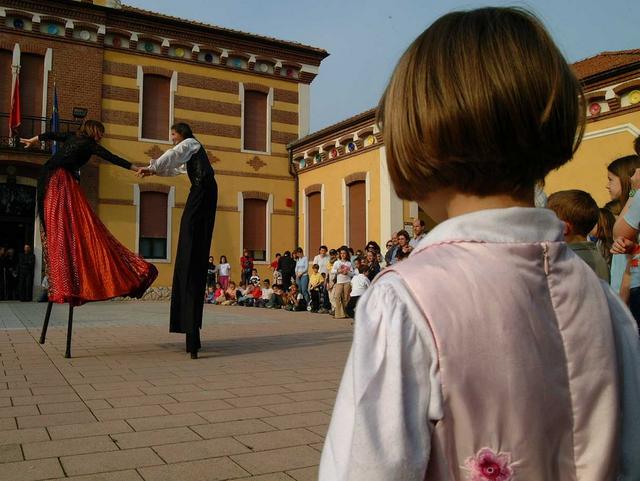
(493, 353)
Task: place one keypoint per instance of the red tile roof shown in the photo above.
(604, 62)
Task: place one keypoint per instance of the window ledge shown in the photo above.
(155, 141)
(244, 151)
(158, 261)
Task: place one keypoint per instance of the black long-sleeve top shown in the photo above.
(76, 151)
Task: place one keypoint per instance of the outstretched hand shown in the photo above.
(622, 246)
(144, 172)
(29, 142)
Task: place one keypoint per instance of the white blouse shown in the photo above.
(224, 269)
(173, 161)
(390, 395)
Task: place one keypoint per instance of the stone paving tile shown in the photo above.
(268, 477)
(68, 447)
(278, 439)
(154, 438)
(7, 424)
(58, 408)
(322, 394)
(284, 459)
(296, 407)
(217, 469)
(98, 404)
(15, 393)
(15, 411)
(232, 428)
(258, 400)
(5, 401)
(10, 453)
(34, 470)
(89, 429)
(45, 399)
(23, 436)
(235, 414)
(168, 421)
(311, 386)
(128, 475)
(113, 461)
(304, 474)
(201, 395)
(121, 402)
(54, 419)
(319, 430)
(181, 388)
(193, 450)
(298, 420)
(128, 412)
(258, 390)
(197, 406)
(37, 391)
(91, 393)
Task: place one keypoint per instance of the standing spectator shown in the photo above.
(3, 274)
(224, 271)
(619, 174)
(277, 275)
(316, 281)
(343, 271)
(287, 266)
(403, 248)
(418, 232)
(372, 246)
(255, 278)
(266, 294)
(26, 264)
(302, 275)
(579, 212)
(603, 233)
(322, 259)
(392, 252)
(374, 266)
(246, 264)
(211, 272)
(44, 296)
(359, 284)
(328, 302)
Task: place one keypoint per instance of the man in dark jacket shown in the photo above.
(26, 263)
(287, 266)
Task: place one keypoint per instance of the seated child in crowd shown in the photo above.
(266, 294)
(231, 295)
(316, 281)
(219, 294)
(252, 292)
(493, 353)
(580, 214)
(278, 298)
(295, 300)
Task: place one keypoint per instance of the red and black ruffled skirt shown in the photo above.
(84, 261)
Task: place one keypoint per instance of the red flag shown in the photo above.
(14, 116)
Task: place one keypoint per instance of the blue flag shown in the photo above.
(55, 118)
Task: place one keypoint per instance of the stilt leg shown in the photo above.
(43, 335)
(67, 354)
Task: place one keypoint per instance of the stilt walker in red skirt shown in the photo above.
(84, 261)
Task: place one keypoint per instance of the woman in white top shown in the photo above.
(196, 229)
(343, 271)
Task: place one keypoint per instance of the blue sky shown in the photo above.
(365, 39)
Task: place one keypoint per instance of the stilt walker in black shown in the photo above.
(196, 230)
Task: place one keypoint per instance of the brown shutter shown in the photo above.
(357, 215)
(314, 222)
(153, 215)
(255, 121)
(155, 107)
(31, 80)
(254, 224)
(5, 90)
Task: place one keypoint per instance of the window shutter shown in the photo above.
(155, 107)
(153, 215)
(255, 121)
(357, 215)
(254, 224)
(31, 80)
(5, 89)
(314, 220)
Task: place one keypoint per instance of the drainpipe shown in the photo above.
(294, 174)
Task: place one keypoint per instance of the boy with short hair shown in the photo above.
(316, 282)
(580, 213)
(266, 294)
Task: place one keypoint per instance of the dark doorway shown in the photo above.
(17, 215)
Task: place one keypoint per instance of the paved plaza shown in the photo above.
(131, 406)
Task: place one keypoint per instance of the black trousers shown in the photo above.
(193, 341)
(350, 309)
(315, 299)
(634, 304)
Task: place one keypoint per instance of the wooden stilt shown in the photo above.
(67, 354)
(43, 335)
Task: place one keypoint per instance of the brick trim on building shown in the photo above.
(208, 83)
(355, 177)
(154, 187)
(254, 194)
(205, 105)
(154, 70)
(313, 189)
(120, 93)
